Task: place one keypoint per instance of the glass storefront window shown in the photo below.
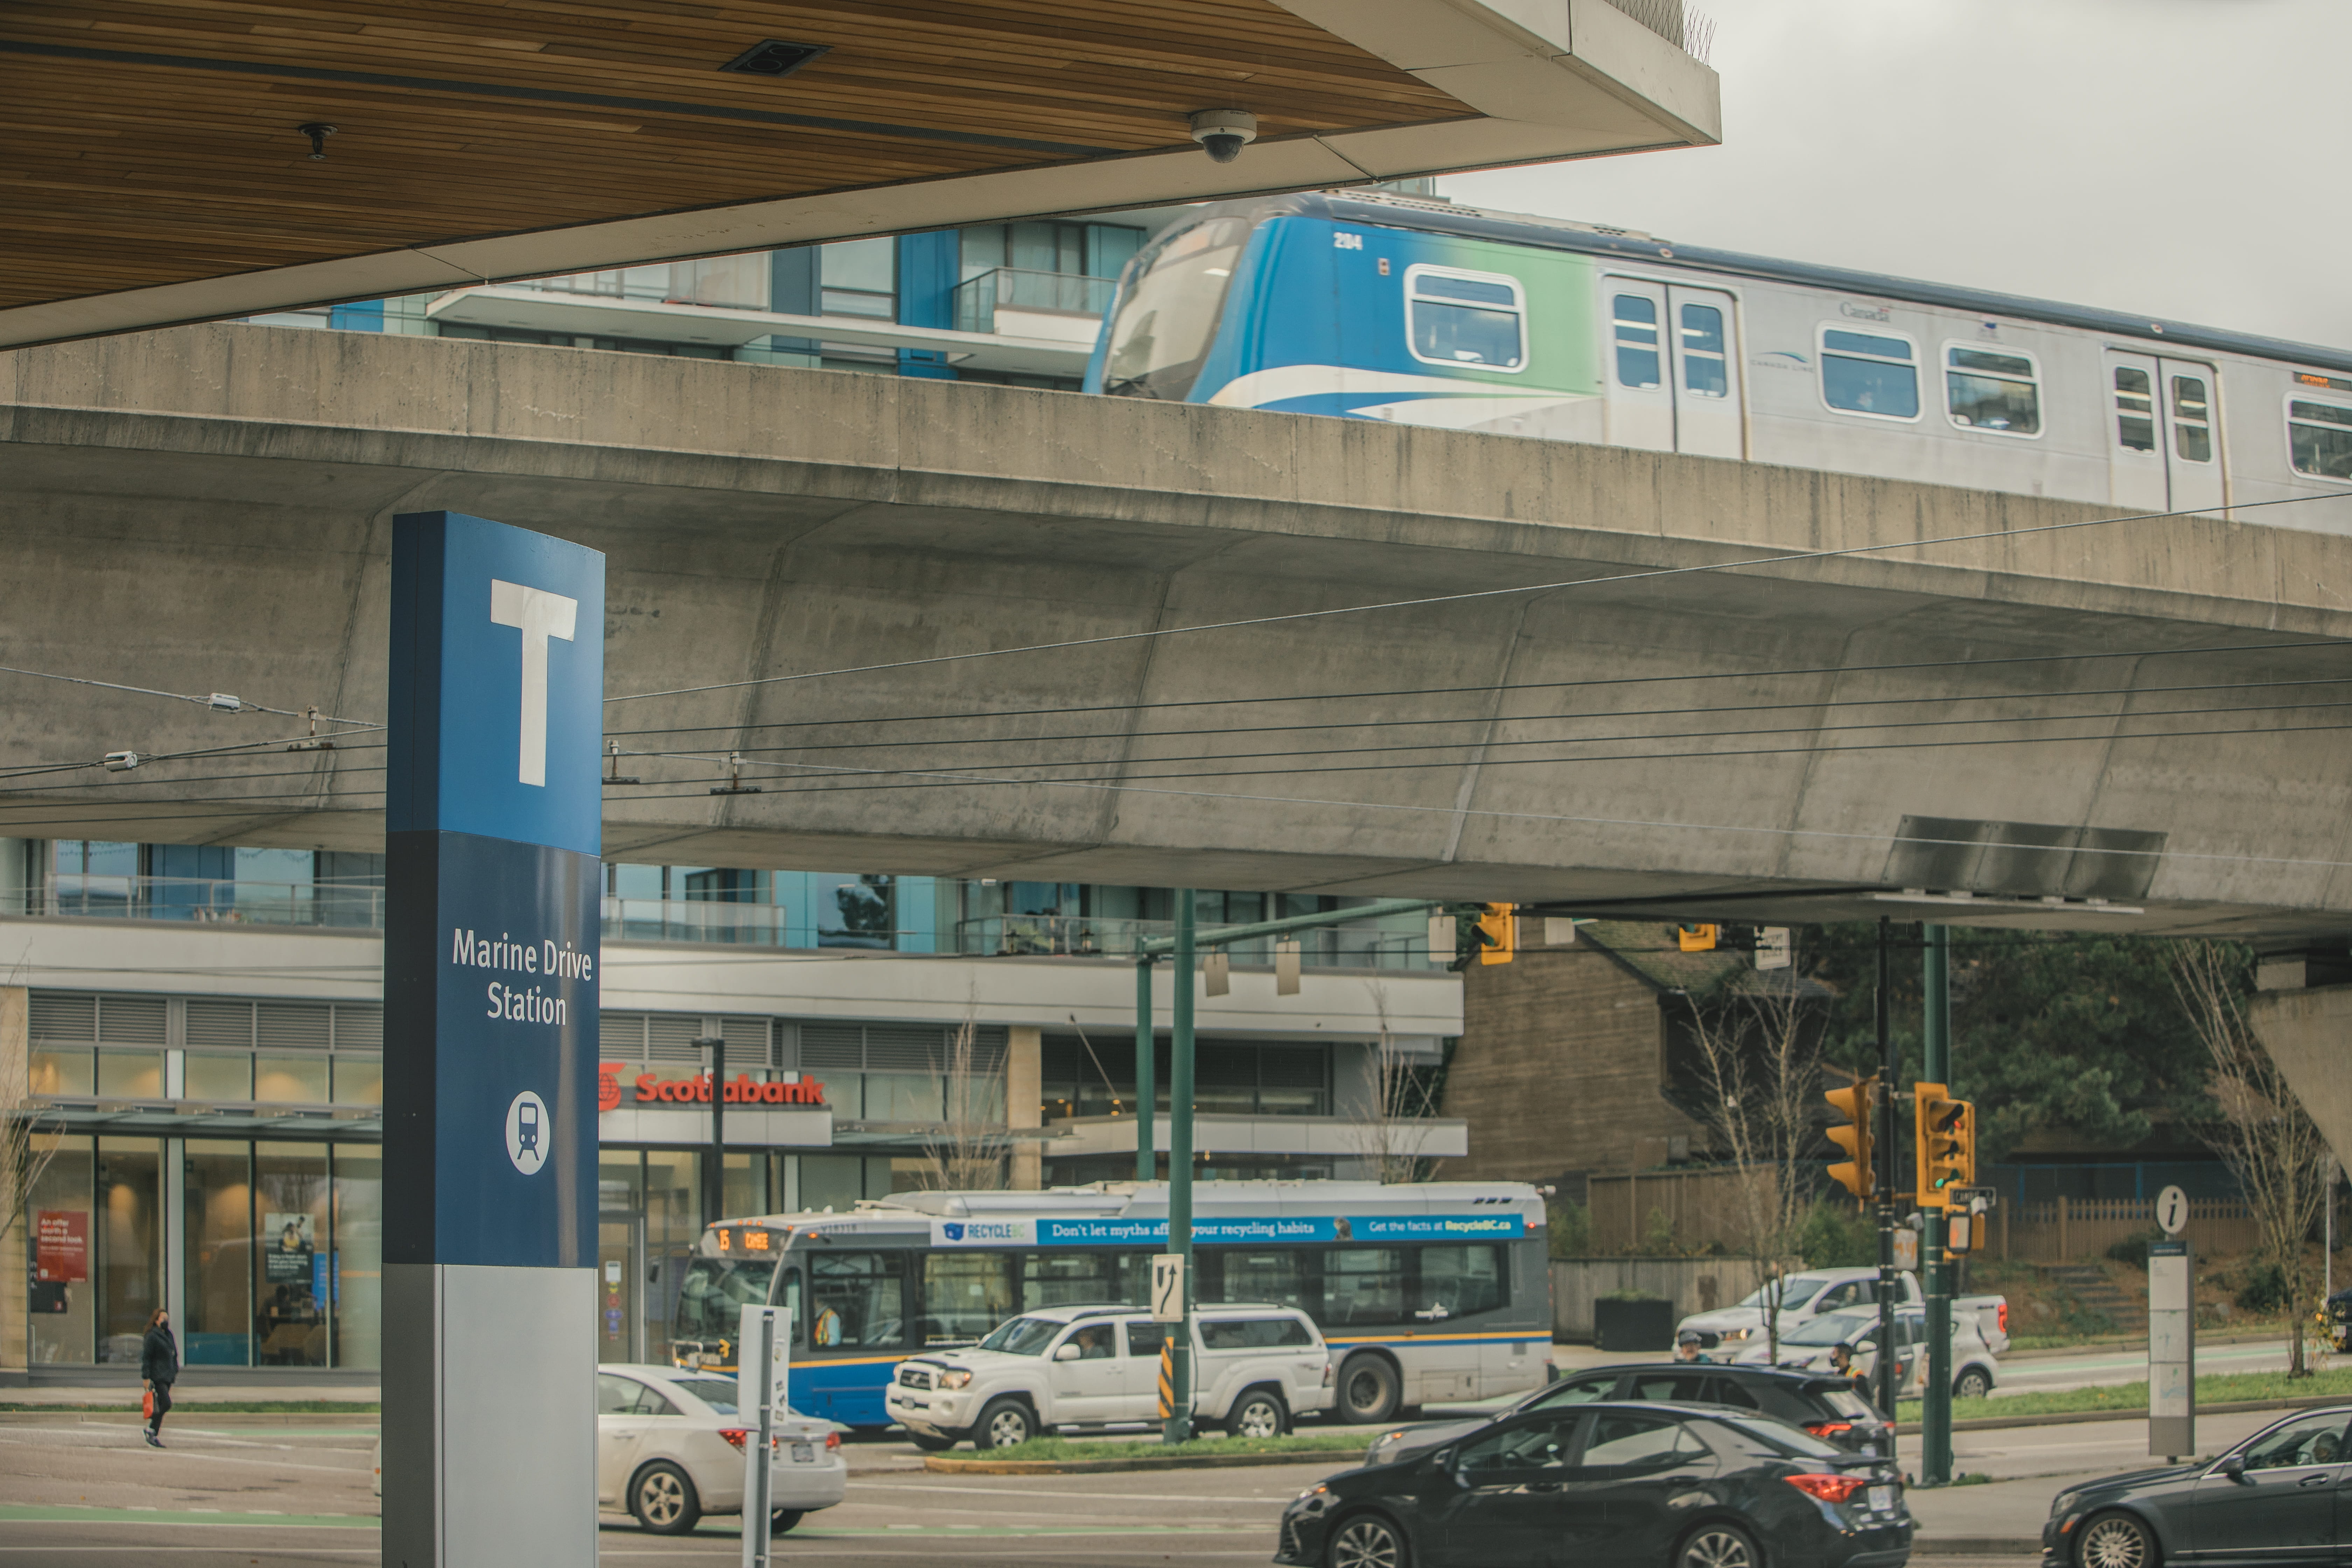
(292, 1255)
(290, 1080)
(673, 1210)
(131, 1075)
(217, 1329)
(221, 1078)
(63, 1072)
(355, 1266)
(359, 1080)
(903, 1097)
(128, 1244)
(832, 1181)
(64, 1294)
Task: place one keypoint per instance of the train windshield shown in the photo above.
(711, 1300)
(1169, 315)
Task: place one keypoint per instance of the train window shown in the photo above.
(1466, 318)
(2135, 410)
(2192, 420)
(1988, 391)
(1169, 309)
(1704, 373)
(2320, 436)
(1637, 342)
(1870, 373)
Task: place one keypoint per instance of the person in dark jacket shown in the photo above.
(159, 1368)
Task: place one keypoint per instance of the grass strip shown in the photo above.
(1153, 1448)
(185, 1407)
(2217, 1388)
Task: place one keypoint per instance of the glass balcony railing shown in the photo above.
(1018, 289)
(1399, 945)
(92, 896)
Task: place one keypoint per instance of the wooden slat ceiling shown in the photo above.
(153, 141)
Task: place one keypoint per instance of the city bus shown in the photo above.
(1426, 1291)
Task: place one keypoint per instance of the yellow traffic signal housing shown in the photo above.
(1857, 1173)
(1696, 939)
(1497, 931)
(1943, 1130)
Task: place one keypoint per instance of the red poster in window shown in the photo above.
(61, 1247)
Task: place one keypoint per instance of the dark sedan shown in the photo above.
(2271, 1499)
(1828, 1407)
(1636, 1485)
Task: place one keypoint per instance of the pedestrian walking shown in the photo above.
(159, 1368)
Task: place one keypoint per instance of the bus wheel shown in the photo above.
(1006, 1424)
(932, 1442)
(1368, 1389)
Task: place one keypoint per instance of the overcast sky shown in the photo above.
(2187, 158)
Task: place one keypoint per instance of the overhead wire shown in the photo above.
(205, 702)
(1283, 727)
(1486, 689)
(1646, 574)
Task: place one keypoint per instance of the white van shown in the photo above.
(1097, 1368)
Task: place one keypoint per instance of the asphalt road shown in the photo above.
(254, 1493)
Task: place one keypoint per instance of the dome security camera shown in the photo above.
(1224, 131)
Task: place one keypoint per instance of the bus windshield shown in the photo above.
(711, 1300)
(1169, 313)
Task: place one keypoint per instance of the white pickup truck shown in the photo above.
(1097, 1368)
(1808, 1295)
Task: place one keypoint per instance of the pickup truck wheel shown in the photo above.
(1257, 1414)
(1368, 1389)
(1006, 1424)
(931, 1443)
(1972, 1383)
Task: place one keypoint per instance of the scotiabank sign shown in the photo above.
(650, 1089)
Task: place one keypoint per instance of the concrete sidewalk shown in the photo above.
(193, 1391)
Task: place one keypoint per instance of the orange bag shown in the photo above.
(147, 1403)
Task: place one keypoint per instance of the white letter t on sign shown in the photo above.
(539, 615)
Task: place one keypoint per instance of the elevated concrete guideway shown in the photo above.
(209, 509)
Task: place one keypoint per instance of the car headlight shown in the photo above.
(955, 1379)
(2063, 1504)
(1314, 1499)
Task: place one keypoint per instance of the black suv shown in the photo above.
(1828, 1407)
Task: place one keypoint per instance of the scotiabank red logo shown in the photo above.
(650, 1090)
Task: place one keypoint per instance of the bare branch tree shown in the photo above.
(966, 1150)
(24, 1150)
(1758, 1067)
(2262, 1132)
(1389, 1123)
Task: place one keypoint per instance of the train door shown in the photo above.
(2163, 436)
(1707, 422)
(1673, 373)
(1641, 370)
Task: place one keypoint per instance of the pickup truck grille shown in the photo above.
(914, 1377)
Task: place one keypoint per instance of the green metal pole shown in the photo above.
(1179, 1427)
(1936, 1066)
(1147, 1076)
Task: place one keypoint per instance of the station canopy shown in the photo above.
(165, 166)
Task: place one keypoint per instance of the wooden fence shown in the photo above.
(1685, 1212)
(1692, 1284)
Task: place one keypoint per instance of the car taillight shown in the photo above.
(1828, 1488)
(831, 1441)
(1828, 1429)
(734, 1435)
(2003, 1314)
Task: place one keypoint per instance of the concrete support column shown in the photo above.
(16, 1252)
(2305, 1032)
(1024, 1104)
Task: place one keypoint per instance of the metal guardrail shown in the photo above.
(91, 896)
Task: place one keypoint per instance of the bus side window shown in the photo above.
(857, 1299)
(1458, 1279)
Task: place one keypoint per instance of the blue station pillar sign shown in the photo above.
(492, 872)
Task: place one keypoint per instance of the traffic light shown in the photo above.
(1944, 1131)
(1857, 1174)
(1496, 933)
(1696, 939)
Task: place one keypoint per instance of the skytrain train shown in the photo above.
(1425, 312)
